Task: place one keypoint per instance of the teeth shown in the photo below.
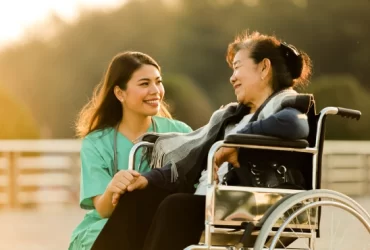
(152, 102)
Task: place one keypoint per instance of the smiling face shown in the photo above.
(246, 78)
(144, 92)
(250, 80)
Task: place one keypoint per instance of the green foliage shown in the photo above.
(343, 91)
(16, 119)
(187, 101)
(56, 76)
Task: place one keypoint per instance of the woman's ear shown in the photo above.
(118, 93)
(265, 68)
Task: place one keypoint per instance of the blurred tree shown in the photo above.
(343, 91)
(187, 101)
(17, 121)
(55, 72)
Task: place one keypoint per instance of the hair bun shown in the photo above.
(293, 59)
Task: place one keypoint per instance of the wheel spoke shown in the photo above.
(313, 201)
(343, 234)
(297, 220)
(335, 235)
(331, 230)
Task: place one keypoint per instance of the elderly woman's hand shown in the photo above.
(227, 155)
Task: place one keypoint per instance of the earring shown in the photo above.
(261, 77)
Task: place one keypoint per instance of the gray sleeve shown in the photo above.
(288, 123)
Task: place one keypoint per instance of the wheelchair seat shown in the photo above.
(236, 216)
(259, 217)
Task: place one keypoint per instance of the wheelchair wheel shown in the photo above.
(293, 224)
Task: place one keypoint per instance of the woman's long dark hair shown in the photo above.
(104, 109)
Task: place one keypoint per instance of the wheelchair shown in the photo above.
(241, 217)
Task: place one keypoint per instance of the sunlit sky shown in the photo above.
(17, 15)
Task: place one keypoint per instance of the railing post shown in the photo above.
(12, 179)
(367, 171)
(325, 171)
(75, 177)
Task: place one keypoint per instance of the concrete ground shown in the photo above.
(49, 228)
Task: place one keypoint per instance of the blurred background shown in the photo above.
(53, 53)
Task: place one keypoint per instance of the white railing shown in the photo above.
(39, 171)
(47, 171)
(346, 167)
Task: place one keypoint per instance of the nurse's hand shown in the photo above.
(115, 198)
(140, 183)
(121, 180)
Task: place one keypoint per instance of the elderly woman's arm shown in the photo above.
(288, 123)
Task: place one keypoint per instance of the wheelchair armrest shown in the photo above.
(153, 136)
(262, 140)
(150, 137)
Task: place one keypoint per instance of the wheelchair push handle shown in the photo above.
(349, 113)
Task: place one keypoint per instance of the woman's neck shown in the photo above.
(260, 100)
(134, 126)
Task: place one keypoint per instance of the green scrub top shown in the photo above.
(96, 173)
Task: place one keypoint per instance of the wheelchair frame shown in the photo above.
(279, 201)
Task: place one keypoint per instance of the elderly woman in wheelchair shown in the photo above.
(241, 180)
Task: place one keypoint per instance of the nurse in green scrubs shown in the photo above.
(127, 104)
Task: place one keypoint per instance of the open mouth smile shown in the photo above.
(154, 102)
